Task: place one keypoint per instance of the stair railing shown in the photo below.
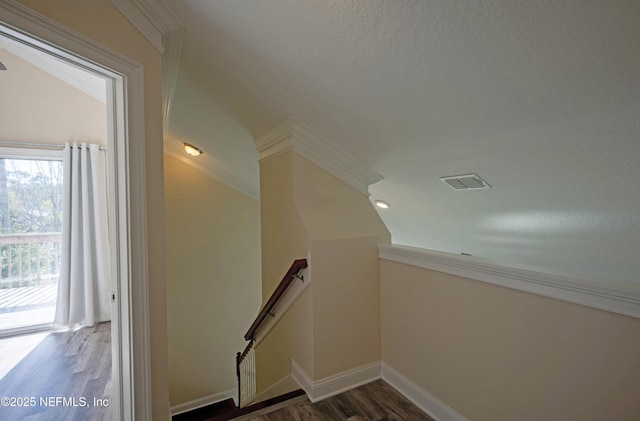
(246, 372)
(246, 361)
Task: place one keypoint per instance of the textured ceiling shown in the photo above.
(539, 98)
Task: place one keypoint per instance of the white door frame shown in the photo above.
(131, 377)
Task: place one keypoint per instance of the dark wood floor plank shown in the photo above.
(347, 406)
(305, 411)
(70, 365)
(368, 402)
(376, 401)
(329, 409)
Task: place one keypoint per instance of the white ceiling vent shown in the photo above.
(465, 182)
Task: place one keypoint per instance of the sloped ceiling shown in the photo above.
(45, 100)
(539, 98)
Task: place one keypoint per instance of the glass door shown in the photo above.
(30, 238)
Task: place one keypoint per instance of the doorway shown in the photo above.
(124, 80)
(51, 103)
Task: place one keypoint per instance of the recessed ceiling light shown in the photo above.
(192, 150)
(382, 204)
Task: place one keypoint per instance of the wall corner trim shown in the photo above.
(294, 135)
(619, 299)
(421, 398)
(336, 384)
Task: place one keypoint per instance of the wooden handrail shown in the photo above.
(296, 267)
(31, 237)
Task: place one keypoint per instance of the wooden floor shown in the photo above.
(67, 376)
(375, 401)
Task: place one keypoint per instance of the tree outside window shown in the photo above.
(30, 204)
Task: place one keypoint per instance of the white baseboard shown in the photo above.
(204, 401)
(350, 379)
(420, 397)
(285, 385)
(299, 375)
(336, 384)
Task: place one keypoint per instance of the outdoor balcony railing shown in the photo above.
(29, 259)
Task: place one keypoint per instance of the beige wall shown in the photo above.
(284, 239)
(493, 353)
(344, 230)
(346, 304)
(335, 326)
(213, 277)
(40, 108)
(102, 22)
(291, 338)
(330, 208)
(284, 235)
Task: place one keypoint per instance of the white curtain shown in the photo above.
(85, 282)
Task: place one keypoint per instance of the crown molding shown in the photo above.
(162, 28)
(621, 299)
(160, 14)
(293, 135)
(174, 149)
(170, 67)
(137, 17)
(152, 18)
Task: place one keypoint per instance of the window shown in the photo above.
(30, 236)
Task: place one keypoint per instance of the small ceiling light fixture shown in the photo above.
(192, 150)
(382, 204)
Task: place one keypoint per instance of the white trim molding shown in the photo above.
(204, 401)
(621, 299)
(162, 28)
(172, 42)
(27, 151)
(294, 135)
(152, 18)
(336, 384)
(304, 380)
(356, 377)
(420, 397)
